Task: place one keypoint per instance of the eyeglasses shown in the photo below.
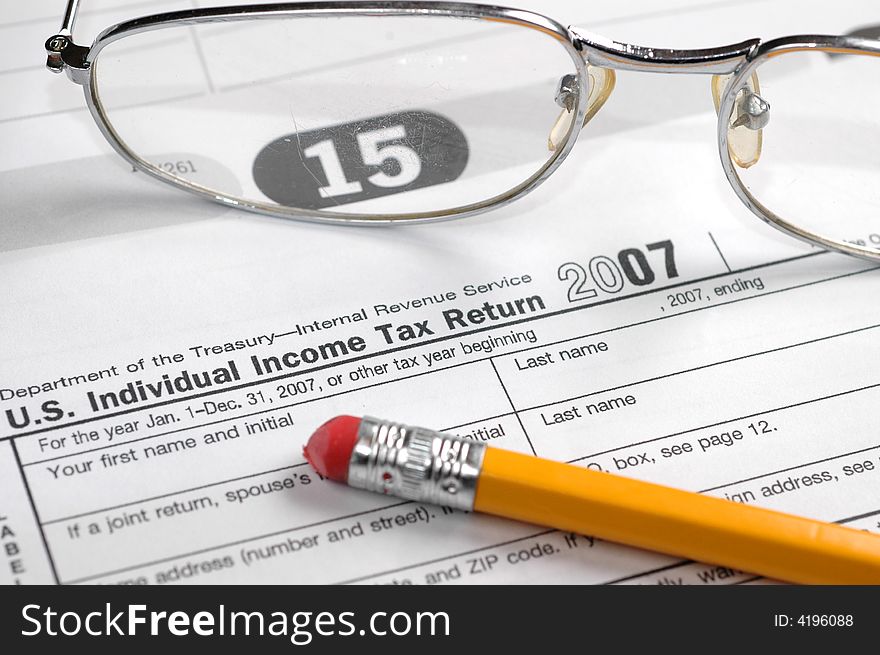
(381, 112)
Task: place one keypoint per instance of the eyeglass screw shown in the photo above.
(566, 91)
(54, 47)
(754, 112)
(57, 43)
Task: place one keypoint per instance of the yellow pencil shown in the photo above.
(428, 466)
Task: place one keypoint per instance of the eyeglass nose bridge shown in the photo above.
(603, 56)
(607, 53)
(751, 112)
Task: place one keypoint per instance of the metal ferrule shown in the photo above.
(416, 464)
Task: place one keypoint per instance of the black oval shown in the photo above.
(287, 176)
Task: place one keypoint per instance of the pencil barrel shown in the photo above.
(675, 522)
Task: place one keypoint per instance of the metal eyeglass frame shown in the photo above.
(738, 60)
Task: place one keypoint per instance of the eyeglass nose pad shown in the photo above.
(750, 115)
(601, 85)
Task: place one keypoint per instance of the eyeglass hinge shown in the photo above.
(63, 55)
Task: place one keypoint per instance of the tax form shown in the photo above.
(164, 357)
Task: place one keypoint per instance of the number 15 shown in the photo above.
(373, 153)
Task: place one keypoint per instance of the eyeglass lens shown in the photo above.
(818, 164)
(355, 114)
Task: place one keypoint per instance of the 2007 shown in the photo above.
(610, 276)
(684, 297)
(296, 388)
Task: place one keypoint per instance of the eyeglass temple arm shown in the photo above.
(63, 54)
(604, 52)
(69, 17)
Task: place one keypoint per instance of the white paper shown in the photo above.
(750, 375)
